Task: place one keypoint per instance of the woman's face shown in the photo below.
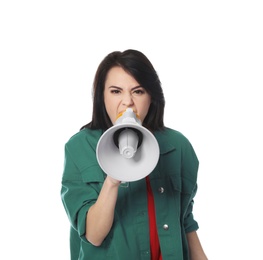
(122, 91)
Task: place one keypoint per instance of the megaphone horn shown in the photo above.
(127, 151)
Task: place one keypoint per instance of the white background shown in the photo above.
(209, 57)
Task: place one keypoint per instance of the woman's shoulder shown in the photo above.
(83, 136)
(172, 135)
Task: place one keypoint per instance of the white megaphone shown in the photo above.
(127, 151)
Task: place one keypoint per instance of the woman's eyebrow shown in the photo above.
(122, 88)
(115, 87)
(136, 87)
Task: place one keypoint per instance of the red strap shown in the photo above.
(154, 239)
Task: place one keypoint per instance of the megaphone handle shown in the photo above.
(124, 184)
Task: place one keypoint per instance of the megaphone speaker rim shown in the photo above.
(123, 169)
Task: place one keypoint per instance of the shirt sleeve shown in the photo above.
(190, 165)
(190, 224)
(80, 187)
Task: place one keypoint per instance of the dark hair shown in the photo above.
(137, 65)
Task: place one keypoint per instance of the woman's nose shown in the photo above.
(127, 100)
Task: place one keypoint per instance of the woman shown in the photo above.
(152, 217)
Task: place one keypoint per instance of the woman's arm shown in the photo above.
(100, 216)
(196, 251)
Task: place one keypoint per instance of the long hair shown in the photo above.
(138, 66)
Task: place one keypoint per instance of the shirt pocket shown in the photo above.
(92, 174)
(176, 183)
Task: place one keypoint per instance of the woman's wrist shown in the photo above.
(112, 181)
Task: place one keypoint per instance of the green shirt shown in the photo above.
(173, 183)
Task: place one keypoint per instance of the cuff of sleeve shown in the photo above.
(81, 225)
(193, 227)
(190, 224)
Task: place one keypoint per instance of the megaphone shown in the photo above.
(127, 151)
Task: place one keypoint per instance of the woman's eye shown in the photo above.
(139, 91)
(115, 91)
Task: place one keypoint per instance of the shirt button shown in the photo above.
(165, 227)
(161, 190)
